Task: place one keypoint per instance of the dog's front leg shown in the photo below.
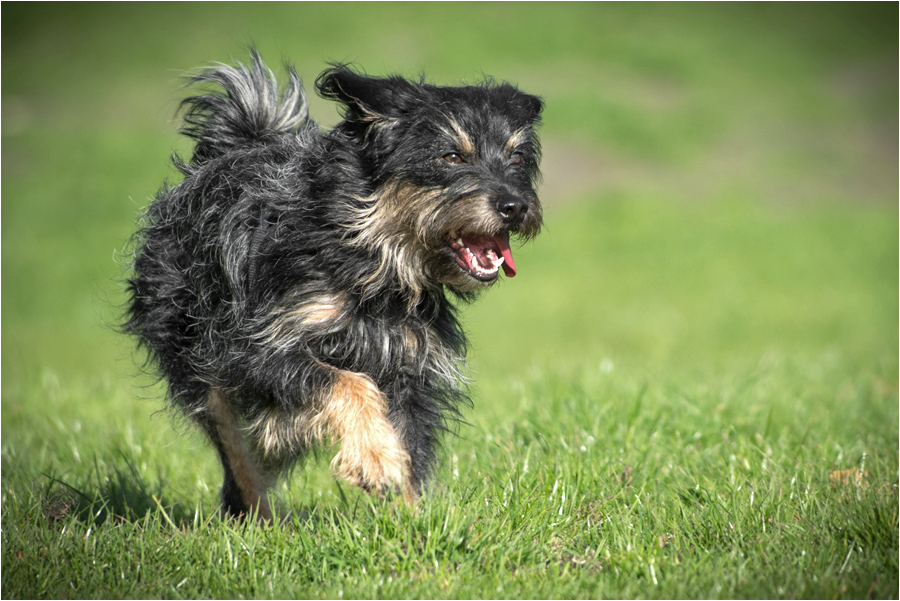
(371, 455)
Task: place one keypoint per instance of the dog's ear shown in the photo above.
(367, 99)
(532, 104)
(526, 106)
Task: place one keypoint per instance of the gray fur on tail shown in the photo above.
(250, 109)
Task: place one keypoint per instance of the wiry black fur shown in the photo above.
(271, 214)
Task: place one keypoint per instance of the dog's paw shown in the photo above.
(371, 456)
(376, 462)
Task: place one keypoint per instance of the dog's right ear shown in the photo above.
(367, 100)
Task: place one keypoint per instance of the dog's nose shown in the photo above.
(512, 209)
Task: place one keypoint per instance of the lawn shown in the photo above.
(689, 390)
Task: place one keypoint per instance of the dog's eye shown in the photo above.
(452, 157)
(516, 158)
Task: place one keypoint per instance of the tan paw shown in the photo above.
(376, 463)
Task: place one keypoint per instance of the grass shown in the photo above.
(600, 484)
(690, 390)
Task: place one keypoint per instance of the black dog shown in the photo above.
(293, 285)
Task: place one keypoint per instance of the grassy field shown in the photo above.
(690, 390)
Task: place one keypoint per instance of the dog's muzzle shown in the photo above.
(482, 255)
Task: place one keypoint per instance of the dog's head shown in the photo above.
(453, 171)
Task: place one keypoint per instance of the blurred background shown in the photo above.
(720, 180)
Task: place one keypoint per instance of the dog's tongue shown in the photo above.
(502, 241)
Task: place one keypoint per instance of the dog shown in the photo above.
(297, 285)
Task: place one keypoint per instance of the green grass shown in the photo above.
(609, 482)
(689, 390)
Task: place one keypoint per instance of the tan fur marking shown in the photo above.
(321, 313)
(389, 224)
(248, 477)
(371, 455)
(466, 146)
(316, 311)
(518, 138)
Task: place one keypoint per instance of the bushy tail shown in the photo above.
(249, 110)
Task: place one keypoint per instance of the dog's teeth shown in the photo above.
(460, 242)
(497, 263)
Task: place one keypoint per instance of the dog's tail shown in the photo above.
(249, 109)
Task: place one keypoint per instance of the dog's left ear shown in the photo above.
(367, 99)
(534, 105)
(527, 105)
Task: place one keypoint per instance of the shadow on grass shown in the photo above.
(122, 495)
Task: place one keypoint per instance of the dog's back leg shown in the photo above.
(244, 489)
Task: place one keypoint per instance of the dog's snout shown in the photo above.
(512, 209)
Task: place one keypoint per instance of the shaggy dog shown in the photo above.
(295, 284)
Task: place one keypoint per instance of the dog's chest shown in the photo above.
(336, 329)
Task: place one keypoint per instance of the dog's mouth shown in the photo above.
(482, 256)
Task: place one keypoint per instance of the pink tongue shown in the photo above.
(509, 268)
